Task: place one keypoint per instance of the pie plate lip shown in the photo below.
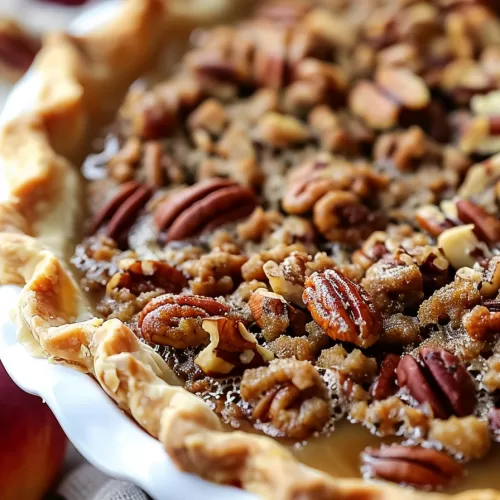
(102, 433)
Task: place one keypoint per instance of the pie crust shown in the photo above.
(83, 79)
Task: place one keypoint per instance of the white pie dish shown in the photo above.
(102, 433)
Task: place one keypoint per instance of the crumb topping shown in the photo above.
(304, 223)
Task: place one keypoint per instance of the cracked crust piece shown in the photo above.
(82, 80)
(140, 382)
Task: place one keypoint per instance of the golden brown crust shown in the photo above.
(82, 80)
(43, 186)
(12, 220)
(80, 90)
(89, 75)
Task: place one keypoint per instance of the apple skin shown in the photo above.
(32, 444)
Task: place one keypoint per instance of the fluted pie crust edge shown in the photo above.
(83, 79)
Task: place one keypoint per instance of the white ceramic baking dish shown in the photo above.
(103, 434)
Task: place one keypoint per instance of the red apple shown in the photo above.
(32, 444)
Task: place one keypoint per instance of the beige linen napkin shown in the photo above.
(87, 483)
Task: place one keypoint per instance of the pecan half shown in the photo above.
(212, 66)
(371, 104)
(280, 130)
(122, 209)
(385, 384)
(301, 196)
(415, 466)
(232, 348)
(343, 309)
(167, 212)
(486, 225)
(204, 206)
(440, 380)
(175, 320)
(406, 87)
(142, 276)
(381, 103)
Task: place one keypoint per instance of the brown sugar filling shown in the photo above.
(338, 455)
(304, 224)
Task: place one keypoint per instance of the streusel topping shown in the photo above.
(305, 224)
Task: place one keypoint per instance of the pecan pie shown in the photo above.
(290, 254)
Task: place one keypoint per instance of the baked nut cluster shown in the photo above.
(304, 222)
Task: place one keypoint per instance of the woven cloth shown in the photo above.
(87, 483)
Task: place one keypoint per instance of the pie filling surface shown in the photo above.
(302, 222)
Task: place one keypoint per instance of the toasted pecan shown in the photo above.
(172, 319)
(486, 225)
(167, 212)
(411, 465)
(120, 211)
(440, 380)
(343, 309)
(204, 206)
